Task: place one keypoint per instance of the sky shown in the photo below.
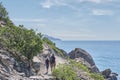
(68, 19)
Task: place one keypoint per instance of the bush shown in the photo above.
(73, 70)
(22, 40)
(97, 76)
(64, 72)
(79, 65)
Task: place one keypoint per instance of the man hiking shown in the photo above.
(52, 62)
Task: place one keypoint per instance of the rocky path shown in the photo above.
(42, 75)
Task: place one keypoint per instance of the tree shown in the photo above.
(3, 12)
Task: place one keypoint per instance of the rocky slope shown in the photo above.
(15, 67)
(12, 69)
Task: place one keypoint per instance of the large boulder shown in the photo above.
(84, 57)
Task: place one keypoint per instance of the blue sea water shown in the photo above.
(106, 54)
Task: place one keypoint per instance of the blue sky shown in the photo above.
(68, 19)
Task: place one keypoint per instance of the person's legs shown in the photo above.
(51, 66)
(47, 67)
(54, 65)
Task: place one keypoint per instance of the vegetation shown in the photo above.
(52, 45)
(64, 72)
(27, 42)
(18, 38)
(97, 76)
(73, 70)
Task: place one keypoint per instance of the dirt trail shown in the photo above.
(59, 60)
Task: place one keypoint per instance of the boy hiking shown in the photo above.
(47, 65)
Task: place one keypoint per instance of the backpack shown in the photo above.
(52, 59)
(47, 61)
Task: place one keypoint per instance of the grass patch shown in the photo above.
(64, 72)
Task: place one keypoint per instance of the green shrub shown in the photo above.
(22, 40)
(70, 71)
(79, 65)
(97, 76)
(64, 72)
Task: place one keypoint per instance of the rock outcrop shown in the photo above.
(109, 75)
(7, 70)
(84, 57)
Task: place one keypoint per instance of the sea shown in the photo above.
(106, 54)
